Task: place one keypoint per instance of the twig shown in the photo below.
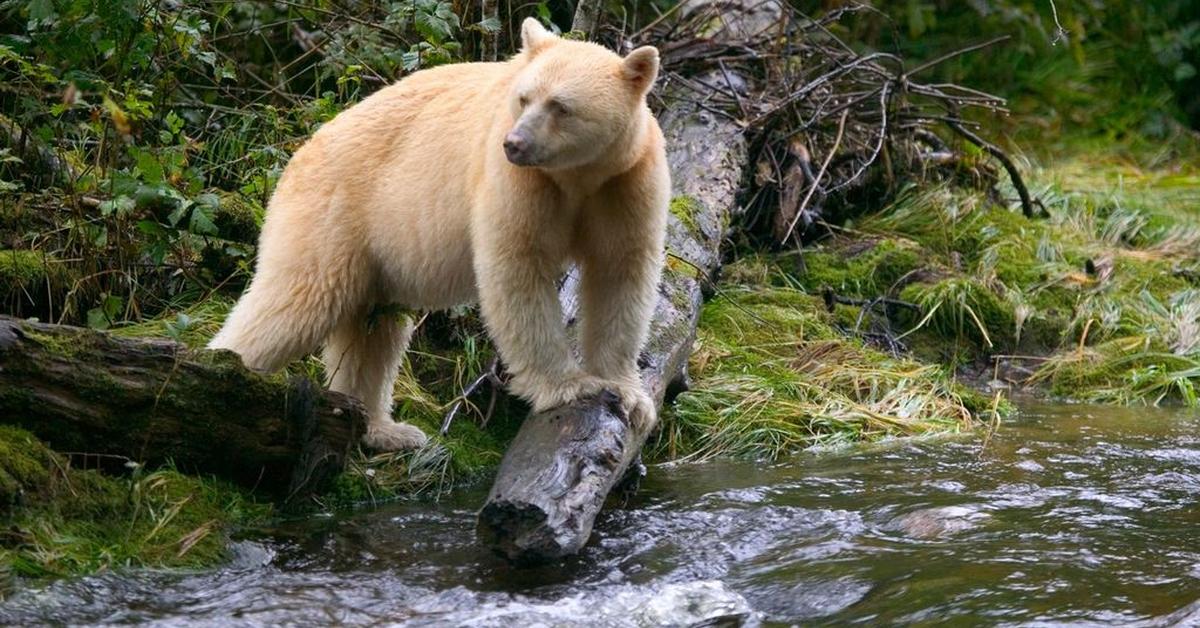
(490, 40)
(1060, 33)
(832, 297)
(491, 374)
(956, 53)
(717, 289)
(993, 425)
(1009, 166)
(821, 173)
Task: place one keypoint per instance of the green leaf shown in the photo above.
(176, 214)
(174, 123)
(103, 315)
(226, 71)
(96, 319)
(202, 220)
(119, 205)
(208, 199)
(124, 182)
(489, 25)
(42, 10)
(148, 165)
(150, 228)
(1184, 71)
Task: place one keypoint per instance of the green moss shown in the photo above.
(59, 345)
(1108, 268)
(20, 268)
(387, 477)
(864, 268)
(23, 462)
(1129, 370)
(684, 208)
(240, 217)
(676, 264)
(60, 520)
(23, 270)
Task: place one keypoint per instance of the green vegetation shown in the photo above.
(151, 136)
(1102, 296)
(772, 373)
(60, 520)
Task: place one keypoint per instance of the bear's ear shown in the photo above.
(641, 67)
(534, 35)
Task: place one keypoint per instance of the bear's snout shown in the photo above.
(517, 149)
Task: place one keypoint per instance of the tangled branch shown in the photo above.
(863, 116)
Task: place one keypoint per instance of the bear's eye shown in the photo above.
(557, 107)
(523, 101)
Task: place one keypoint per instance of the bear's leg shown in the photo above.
(280, 319)
(362, 359)
(621, 260)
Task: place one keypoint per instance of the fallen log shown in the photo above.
(563, 463)
(156, 401)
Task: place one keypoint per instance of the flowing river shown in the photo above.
(1066, 515)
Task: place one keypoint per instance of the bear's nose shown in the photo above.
(516, 148)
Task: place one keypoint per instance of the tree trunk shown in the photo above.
(156, 401)
(563, 463)
(491, 39)
(587, 13)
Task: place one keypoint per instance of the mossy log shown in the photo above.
(563, 463)
(156, 401)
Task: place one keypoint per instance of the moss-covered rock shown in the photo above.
(23, 467)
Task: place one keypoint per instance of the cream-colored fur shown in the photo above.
(410, 197)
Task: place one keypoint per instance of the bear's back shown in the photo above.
(429, 96)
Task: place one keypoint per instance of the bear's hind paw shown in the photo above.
(392, 436)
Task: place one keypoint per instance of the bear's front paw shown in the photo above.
(639, 407)
(544, 394)
(392, 436)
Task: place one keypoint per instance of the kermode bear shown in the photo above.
(475, 182)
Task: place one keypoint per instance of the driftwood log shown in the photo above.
(156, 401)
(563, 463)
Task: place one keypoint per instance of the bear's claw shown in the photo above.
(639, 407)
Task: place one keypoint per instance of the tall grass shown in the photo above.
(771, 375)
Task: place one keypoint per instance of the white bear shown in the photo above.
(475, 182)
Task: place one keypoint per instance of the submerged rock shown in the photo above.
(932, 523)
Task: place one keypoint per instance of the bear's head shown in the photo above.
(573, 103)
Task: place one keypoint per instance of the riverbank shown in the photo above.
(133, 206)
(1099, 301)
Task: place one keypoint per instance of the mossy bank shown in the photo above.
(61, 519)
(1097, 301)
